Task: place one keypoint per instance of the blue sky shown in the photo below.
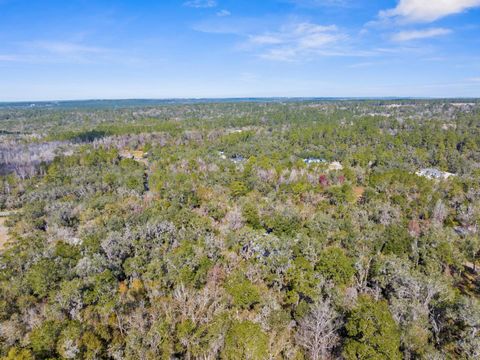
(85, 49)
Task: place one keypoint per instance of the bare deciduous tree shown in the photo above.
(317, 332)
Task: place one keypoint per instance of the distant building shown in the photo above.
(466, 230)
(449, 126)
(436, 174)
(331, 166)
(136, 155)
(335, 166)
(312, 160)
(237, 159)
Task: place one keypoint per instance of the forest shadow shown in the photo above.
(90, 136)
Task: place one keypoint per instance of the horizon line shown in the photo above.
(200, 99)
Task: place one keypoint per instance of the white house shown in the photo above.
(436, 174)
(312, 160)
(335, 166)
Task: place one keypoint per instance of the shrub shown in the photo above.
(336, 266)
(372, 332)
(245, 340)
(242, 291)
(43, 339)
(238, 189)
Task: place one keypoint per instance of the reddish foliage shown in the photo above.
(216, 275)
(323, 180)
(414, 228)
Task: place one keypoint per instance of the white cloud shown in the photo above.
(474, 79)
(409, 35)
(223, 13)
(266, 39)
(428, 10)
(200, 3)
(66, 48)
(296, 41)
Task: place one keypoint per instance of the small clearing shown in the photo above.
(359, 191)
(3, 232)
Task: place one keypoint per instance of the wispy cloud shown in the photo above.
(66, 52)
(200, 3)
(410, 35)
(223, 13)
(53, 51)
(363, 65)
(289, 40)
(428, 10)
(474, 79)
(320, 3)
(248, 77)
(66, 48)
(296, 41)
(9, 58)
(240, 26)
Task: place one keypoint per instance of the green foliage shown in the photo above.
(334, 265)
(42, 277)
(252, 218)
(43, 339)
(238, 189)
(397, 241)
(286, 222)
(170, 255)
(302, 281)
(69, 342)
(341, 194)
(18, 354)
(243, 292)
(101, 289)
(92, 344)
(245, 340)
(372, 332)
(185, 267)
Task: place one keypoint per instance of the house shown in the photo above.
(136, 155)
(312, 160)
(331, 166)
(335, 166)
(237, 159)
(434, 174)
(466, 230)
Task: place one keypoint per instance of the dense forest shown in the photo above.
(241, 230)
